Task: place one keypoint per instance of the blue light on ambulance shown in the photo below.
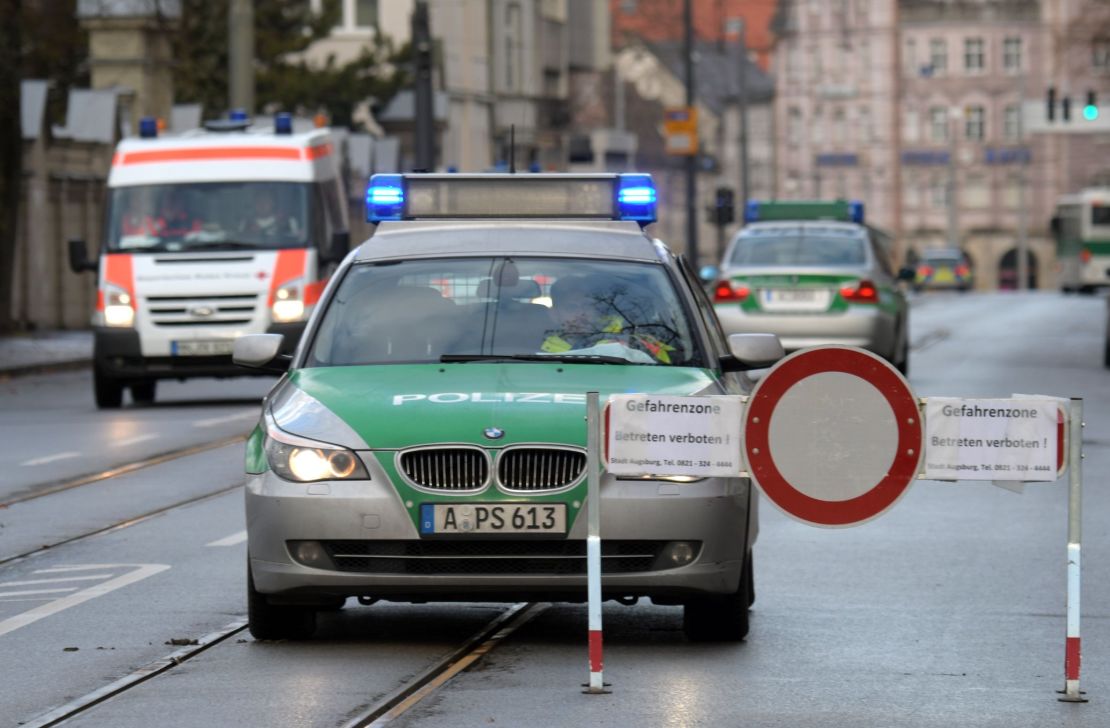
(148, 127)
(283, 123)
(385, 198)
(636, 198)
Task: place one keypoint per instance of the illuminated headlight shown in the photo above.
(288, 302)
(304, 464)
(119, 309)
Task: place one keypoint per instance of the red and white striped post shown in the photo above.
(593, 541)
(1071, 691)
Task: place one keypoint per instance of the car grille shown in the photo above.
(450, 469)
(500, 557)
(531, 469)
(220, 310)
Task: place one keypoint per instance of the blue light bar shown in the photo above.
(238, 115)
(385, 198)
(148, 127)
(636, 198)
(283, 123)
(855, 211)
(751, 211)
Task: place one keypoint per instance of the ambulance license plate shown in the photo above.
(202, 347)
(488, 518)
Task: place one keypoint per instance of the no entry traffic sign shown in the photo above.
(832, 435)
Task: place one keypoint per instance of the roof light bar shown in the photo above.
(148, 127)
(283, 123)
(385, 198)
(636, 198)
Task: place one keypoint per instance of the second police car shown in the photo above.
(428, 439)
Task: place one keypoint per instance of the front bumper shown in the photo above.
(867, 327)
(713, 512)
(117, 353)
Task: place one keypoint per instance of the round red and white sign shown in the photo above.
(833, 436)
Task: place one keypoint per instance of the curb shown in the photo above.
(44, 368)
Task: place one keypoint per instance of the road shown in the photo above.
(946, 611)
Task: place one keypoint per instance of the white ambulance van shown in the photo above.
(228, 230)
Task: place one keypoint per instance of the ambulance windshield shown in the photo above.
(208, 216)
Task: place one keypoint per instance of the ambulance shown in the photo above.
(211, 234)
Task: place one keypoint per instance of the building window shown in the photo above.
(818, 127)
(838, 127)
(938, 123)
(866, 130)
(1011, 122)
(938, 192)
(974, 61)
(1011, 192)
(512, 45)
(794, 127)
(974, 122)
(366, 13)
(1100, 54)
(1011, 54)
(938, 56)
(628, 7)
(910, 61)
(911, 125)
(976, 193)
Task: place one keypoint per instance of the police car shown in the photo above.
(428, 439)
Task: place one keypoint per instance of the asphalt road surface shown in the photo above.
(122, 598)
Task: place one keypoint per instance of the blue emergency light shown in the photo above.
(148, 127)
(385, 198)
(636, 198)
(283, 123)
(238, 115)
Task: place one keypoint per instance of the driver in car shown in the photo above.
(585, 313)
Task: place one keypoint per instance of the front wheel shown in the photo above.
(721, 618)
(271, 622)
(108, 391)
(143, 392)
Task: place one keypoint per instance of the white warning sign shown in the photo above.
(990, 439)
(665, 435)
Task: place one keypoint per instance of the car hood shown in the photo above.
(392, 407)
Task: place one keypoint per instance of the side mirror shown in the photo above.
(79, 257)
(907, 274)
(337, 248)
(260, 351)
(752, 351)
(708, 273)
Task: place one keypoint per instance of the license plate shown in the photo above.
(202, 347)
(944, 275)
(795, 299)
(487, 518)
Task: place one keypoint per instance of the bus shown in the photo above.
(1081, 228)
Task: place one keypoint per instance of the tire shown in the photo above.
(108, 391)
(903, 363)
(1106, 353)
(721, 618)
(269, 622)
(143, 392)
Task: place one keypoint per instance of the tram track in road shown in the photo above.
(380, 714)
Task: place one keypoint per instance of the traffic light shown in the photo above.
(1050, 104)
(1065, 109)
(1090, 109)
(723, 210)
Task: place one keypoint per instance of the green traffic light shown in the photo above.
(1090, 112)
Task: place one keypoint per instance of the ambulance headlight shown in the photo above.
(119, 307)
(288, 302)
(305, 464)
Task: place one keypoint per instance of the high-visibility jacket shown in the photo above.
(612, 331)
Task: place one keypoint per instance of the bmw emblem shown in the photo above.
(493, 433)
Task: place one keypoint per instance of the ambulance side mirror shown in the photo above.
(752, 351)
(337, 248)
(260, 351)
(79, 257)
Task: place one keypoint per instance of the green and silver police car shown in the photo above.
(427, 441)
(813, 273)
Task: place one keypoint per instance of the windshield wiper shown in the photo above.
(571, 358)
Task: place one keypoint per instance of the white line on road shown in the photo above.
(51, 458)
(136, 439)
(226, 418)
(54, 581)
(25, 592)
(141, 571)
(233, 539)
(68, 569)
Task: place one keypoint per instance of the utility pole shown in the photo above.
(424, 112)
(1023, 213)
(954, 125)
(240, 27)
(692, 159)
(745, 179)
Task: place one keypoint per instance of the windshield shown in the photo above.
(791, 247)
(208, 216)
(478, 309)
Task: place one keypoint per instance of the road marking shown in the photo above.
(67, 569)
(51, 458)
(226, 418)
(31, 582)
(136, 439)
(25, 592)
(141, 571)
(232, 540)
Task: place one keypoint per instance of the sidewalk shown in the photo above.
(44, 351)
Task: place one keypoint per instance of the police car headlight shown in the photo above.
(304, 464)
(288, 302)
(119, 308)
